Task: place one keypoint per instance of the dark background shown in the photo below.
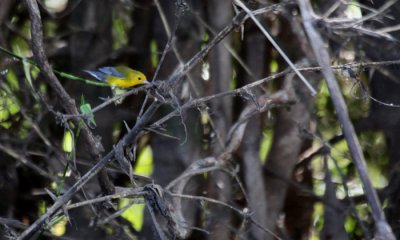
(303, 185)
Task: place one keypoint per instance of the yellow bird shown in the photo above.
(119, 77)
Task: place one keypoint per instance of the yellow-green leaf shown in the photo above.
(133, 214)
(86, 108)
(59, 228)
(144, 162)
(68, 142)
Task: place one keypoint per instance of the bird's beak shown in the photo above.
(146, 82)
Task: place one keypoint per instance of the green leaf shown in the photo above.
(120, 29)
(86, 108)
(42, 208)
(274, 66)
(154, 53)
(60, 226)
(12, 80)
(4, 113)
(26, 65)
(133, 214)
(8, 107)
(265, 145)
(144, 163)
(67, 143)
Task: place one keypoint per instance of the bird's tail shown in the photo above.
(97, 74)
(103, 72)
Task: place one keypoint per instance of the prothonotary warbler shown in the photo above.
(119, 77)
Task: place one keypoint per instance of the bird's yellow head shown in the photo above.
(136, 77)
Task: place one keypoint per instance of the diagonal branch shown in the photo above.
(66, 101)
(127, 139)
(276, 46)
(383, 231)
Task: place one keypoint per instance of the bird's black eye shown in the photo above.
(139, 78)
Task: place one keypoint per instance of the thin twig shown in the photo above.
(131, 193)
(242, 213)
(19, 157)
(277, 47)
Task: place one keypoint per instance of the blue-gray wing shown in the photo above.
(111, 71)
(103, 72)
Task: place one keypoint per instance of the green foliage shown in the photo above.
(353, 10)
(9, 106)
(154, 53)
(50, 28)
(134, 214)
(265, 145)
(86, 109)
(372, 143)
(325, 112)
(59, 227)
(119, 31)
(144, 163)
(67, 143)
(350, 224)
(28, 76)
(206, 37)
(318, 220)
(42, 208)
(12, 81)
(273, 66)
(376, 154)
(20, 47)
